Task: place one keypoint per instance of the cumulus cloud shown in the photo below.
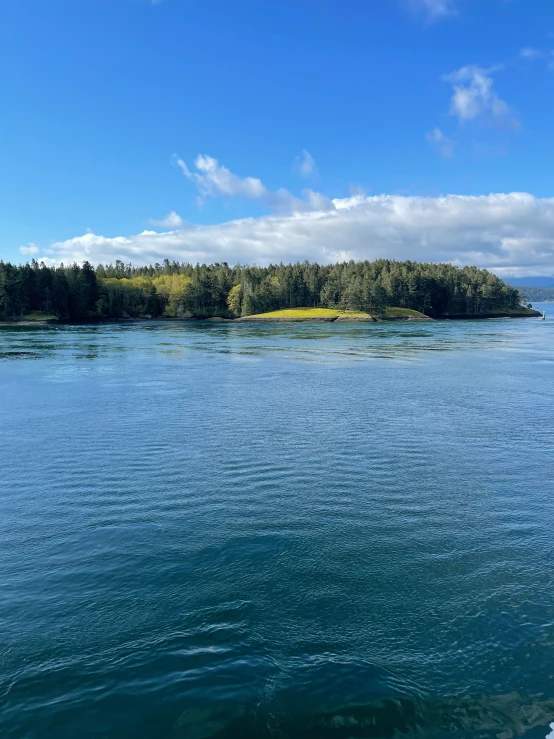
(305, 164)
(475, 99)
(171, 220)
(511, 234)
(435, 9)
(29, 249)
(443, 144)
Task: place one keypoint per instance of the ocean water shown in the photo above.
(293, 530)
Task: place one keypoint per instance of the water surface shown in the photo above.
(290, 530)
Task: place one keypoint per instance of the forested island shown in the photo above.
(383, 289)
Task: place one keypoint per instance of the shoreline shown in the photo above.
(338, 319)
(259, 319)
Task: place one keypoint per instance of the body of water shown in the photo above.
(296, 530)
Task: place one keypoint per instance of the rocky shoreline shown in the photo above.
(333, 319)
(479, 316)
(261, 319)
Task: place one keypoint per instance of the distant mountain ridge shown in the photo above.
(538, 294)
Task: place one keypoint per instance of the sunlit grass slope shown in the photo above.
(311, 313)
(332, 313)
(404, 312)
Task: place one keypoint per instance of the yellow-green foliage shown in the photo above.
(234, 300)
(401, 312)
(311, 313)
(124, 296)
(132, 296)
(174, 289)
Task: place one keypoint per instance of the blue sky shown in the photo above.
(327, 129)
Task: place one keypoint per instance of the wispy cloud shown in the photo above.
(29, 249)
(171, 220)
(540, 55)
(443, 144)
(305, 164)
(212, 179)
(474, 98)
(434, 10)
(529, 53)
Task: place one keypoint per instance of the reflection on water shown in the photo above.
(308, 342)
(218, 530)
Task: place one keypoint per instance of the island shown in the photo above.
(363, 291)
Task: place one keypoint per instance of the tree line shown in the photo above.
(174, 289)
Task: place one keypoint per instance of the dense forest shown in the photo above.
(172, 289)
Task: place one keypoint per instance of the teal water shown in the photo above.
(293, 530)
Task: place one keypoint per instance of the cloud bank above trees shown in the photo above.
(510, 234)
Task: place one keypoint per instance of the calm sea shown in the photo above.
(295, 530)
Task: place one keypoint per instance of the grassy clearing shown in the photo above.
(39, 315)
(401, 312)
(332, 313)
(296, 313)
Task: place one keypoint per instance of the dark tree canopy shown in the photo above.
(179, 289)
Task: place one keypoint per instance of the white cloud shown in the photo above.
(474, 98)
(171, 220)
(435, 9)
(511, 234)
(212, 178)
(305, 164)
(30, 249)
(442, 143)
(530, 53)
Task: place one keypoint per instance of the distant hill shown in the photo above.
(537, 294)
(530, 281)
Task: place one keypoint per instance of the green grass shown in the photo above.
(311, 313)
(39, 315)
(401, 312)
(298, 313)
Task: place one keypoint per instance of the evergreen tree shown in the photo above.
(173, 288)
